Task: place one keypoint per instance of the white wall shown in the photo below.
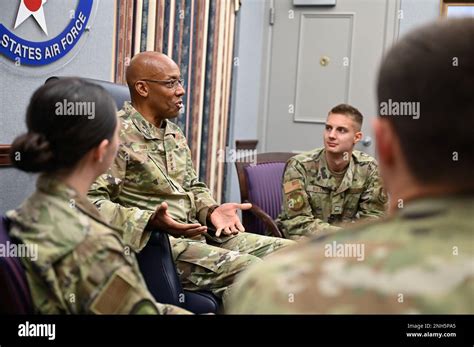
(418, 12)
(246, 89)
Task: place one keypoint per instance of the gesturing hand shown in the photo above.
(163, 221)
(225, 218)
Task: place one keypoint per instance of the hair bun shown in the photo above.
(32, 152)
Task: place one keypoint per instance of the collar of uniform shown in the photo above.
(53, 186)
(324, 174)
(148, 130)
(432, 205)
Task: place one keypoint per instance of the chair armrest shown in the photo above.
(159, 271)
(267, 220)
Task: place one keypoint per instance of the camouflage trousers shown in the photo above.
(214, 265)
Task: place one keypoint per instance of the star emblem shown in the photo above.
(33, 8)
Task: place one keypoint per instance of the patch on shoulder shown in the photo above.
(292, 185)
(295, 201)
(113, 296)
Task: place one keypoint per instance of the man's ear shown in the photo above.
(101, 150)
(384, 141)
(357, 137)
(141, 88)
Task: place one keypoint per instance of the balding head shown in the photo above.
(147, 65)
(155, 88)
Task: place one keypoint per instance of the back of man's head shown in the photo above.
(426, 90)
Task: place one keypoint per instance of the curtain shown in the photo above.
(199, 36)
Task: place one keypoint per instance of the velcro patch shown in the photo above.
(139, 147)
(295, 201)
(316, 189)
(113, 296)
(288, 187)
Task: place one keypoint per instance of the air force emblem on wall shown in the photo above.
(36, 53)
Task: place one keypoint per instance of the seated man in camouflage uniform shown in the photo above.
(333, 184)
(81, 265)
(420, 259)
(152, 185)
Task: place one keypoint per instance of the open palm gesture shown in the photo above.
(225, 218)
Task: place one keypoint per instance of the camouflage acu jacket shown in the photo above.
(312, 198)
(81, 265)
(421, 260)
(153, 165)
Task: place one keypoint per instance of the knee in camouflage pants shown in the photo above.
(214, 266)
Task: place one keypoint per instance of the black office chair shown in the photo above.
(119, 92)
(156, 259)
(158, 269)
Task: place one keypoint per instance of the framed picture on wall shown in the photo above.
(457, 8)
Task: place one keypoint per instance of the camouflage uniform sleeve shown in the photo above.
(106, 190)
(99, 278)
(296, 218)
(373, 201)
(202, 196)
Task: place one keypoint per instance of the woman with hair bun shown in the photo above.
(81, 266)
